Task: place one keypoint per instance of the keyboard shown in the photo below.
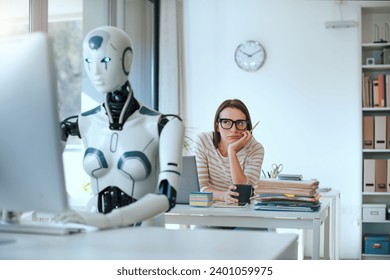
(49, 228)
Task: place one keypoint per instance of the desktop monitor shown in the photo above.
(31, 168)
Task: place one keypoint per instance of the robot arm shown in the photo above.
(171, 146)
(148, 206)
(69, 128)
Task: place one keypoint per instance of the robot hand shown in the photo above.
(148, 206)
(69, 127)
(97, 220)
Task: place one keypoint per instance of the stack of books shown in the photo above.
(201, 199)
(287, 195)
(376, 91)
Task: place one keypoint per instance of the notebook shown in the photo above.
(189, 180)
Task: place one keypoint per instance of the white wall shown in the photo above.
(306, 96)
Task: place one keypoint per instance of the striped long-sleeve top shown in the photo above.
(214, 169)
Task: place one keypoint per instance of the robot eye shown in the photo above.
(106, 60)
(88, 60)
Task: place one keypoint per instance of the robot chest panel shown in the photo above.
(130, 152)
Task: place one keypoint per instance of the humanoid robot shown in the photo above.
(132, 153)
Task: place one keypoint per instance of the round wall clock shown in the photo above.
(250, 55)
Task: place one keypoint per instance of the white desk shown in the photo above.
(248, 217)
(145, 243)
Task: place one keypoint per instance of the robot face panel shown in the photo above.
(108, 56)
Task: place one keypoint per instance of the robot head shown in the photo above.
(108, 54)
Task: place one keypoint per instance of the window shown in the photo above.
(14, 17)
(65, 28)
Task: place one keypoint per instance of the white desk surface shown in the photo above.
(182, 212)
(144, 243)
(248, 217)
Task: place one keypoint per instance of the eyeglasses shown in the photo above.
(228, 124)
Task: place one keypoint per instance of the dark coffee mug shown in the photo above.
(245, 193)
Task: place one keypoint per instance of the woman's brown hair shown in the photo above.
(229, 103)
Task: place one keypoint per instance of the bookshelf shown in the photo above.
(375, 39)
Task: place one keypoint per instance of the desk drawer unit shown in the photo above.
(376, 244)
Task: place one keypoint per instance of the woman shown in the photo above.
(229, 155)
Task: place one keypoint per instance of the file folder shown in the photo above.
(380, 175)
(380, 132)
(369, 175)
(368, 132)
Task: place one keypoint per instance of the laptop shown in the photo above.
(189, 180)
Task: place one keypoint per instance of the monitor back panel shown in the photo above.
(189, 180)
(31, 168)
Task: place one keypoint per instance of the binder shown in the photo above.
(387, 132)
(369, 175)
(380, 175)
(368, 132)
(388, 175)
(380, 132)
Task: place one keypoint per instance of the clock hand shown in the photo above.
(255, 52)
(245, 53)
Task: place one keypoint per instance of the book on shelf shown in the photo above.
(381, 91)
(365, 90)
(376, 91)
(387, 89)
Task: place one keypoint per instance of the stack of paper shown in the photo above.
(286, 195)
(201, 199)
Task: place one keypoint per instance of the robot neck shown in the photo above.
(119, 105)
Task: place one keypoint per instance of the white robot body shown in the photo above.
(126, 158)
(132, 153)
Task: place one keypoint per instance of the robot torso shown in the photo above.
(127, 158)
